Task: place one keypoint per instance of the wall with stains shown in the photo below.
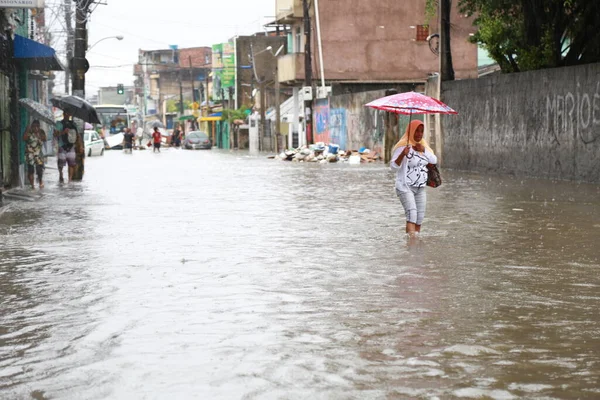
(344, 120)
(540, 123)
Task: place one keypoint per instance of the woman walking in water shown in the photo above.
(410, 157)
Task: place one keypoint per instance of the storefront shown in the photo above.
(6, 78)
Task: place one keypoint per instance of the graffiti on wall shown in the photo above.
(577, 114)
(321, 111)
(337, 127)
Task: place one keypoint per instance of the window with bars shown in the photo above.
(422, 33)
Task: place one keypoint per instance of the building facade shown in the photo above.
(369, 47)
(26, 65)
(171, 74)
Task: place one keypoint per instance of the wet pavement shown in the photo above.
(216, 275)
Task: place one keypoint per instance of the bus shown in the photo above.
(114, 118)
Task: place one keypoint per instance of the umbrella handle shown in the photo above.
(409, 121)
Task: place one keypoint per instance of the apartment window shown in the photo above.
(290, 42)
(422, 33)
(298, 41)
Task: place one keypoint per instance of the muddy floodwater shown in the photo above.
(216, 275)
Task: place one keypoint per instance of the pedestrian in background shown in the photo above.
(157, 137)
(410, 157)
(176, 137)
(67, 139)
(34, 139)
(128, 138)
(140, 136)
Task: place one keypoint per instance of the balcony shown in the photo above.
(289, 11)
(290, 68)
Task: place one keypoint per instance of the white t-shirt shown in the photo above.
(413, 168)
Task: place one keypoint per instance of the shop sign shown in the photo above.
(22, 3)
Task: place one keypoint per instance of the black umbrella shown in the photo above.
(77, 107)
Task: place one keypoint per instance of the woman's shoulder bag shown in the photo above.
(434, 179)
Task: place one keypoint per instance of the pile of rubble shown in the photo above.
(322, 153)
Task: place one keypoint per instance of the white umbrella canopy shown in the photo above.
(38, 110)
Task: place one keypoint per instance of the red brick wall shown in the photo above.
(198, 55)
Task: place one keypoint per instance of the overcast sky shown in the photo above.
(154, 24)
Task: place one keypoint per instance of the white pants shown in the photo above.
(414, 202)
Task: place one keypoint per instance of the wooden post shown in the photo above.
(391, 130)
(277, 109)
(263, 118)
(214, 123)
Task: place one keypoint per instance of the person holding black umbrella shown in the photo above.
(67, 140)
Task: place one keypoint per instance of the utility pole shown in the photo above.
(207, 93)
(222, 93)
(230, 105)
(180, 94)
(277, 108)
(70, 34)
(446, 67)
(391, 130)
(193, 88)
(78, 68)
(307, 71)
(263, 117)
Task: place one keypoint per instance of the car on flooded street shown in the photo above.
(197, 140)
(94, 145)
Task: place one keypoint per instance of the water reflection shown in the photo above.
(217, 275)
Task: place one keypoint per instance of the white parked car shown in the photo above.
(94, 145)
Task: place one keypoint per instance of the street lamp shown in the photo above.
(119, 37)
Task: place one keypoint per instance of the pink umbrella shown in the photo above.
(411, 103)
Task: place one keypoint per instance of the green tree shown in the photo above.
(231, 115)
(173, 105)
(522, 35)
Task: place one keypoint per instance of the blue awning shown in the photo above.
(36, 56)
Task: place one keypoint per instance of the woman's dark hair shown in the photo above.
(35, 122)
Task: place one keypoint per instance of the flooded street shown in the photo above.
(216, 275)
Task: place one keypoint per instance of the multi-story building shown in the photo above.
(111, 95)
(162, 75)
(26, 62)
(370, 46)
(381, 41)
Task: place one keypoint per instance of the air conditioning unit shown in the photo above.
(307, 94)
(323, 92)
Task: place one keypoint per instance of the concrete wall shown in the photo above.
(344, 120)
(541, 123)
